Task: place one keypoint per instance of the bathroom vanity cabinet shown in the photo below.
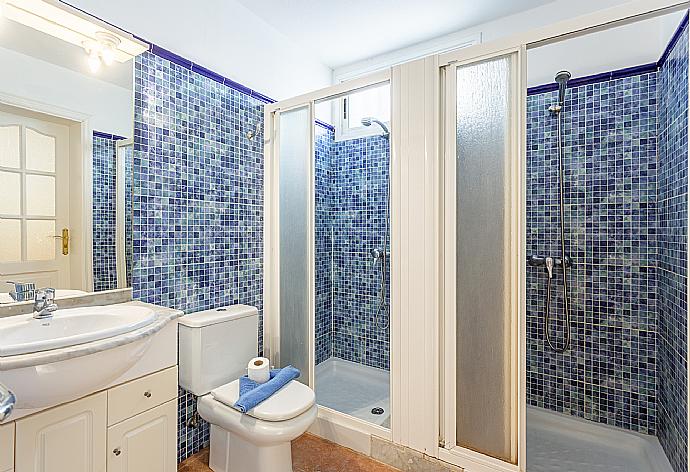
(129, 427)
(7, 447)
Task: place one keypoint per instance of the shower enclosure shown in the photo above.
(607, 189)
(352, 254)
(335, 250)
(399, 273)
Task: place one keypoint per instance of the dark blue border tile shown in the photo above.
(325, 125)
(596, 78)
(101, 134)
(674, 39)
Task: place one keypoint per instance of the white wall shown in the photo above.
(223, 36)
(506, 26)
(626, 46)
(110, 106)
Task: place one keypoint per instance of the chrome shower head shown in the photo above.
(562, 79)
(368, 120)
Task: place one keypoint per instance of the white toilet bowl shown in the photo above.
(258, 441)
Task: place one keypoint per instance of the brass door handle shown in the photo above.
(65, 241)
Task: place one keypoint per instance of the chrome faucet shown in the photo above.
(44, 303)
(7, 401)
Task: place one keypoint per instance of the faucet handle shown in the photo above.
(46, 295)
(376, 254)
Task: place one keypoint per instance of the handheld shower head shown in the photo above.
(562, 79)
(368, 120)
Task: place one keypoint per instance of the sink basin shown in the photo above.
(23, 334)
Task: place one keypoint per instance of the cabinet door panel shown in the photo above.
(70, 438)
(147, 441)
(6, 447)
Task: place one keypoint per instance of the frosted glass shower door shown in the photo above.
(293, 242)
(482, 195)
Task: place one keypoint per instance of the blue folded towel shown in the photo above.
(252, 393)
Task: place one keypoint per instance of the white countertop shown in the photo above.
(163, 316)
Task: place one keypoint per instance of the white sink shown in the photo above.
(79, 351)
(23, 334)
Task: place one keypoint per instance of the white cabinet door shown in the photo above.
(7, 447)
(69, 438)
(146, 442)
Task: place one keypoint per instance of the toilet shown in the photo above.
(214, 349)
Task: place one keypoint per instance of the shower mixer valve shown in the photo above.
(538, 261)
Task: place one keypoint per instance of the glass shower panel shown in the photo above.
(483, 392)
(294, 196)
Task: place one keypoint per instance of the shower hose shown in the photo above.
(550, 261)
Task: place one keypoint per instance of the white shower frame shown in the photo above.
(605, 19)
(422, 417)
(334, 425)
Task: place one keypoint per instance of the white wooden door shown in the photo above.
(147, 441)
(34, 201)
(69, 438)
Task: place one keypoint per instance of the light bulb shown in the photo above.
(108, 55)
(94, 62)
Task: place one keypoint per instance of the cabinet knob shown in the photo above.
(117, 451)
(147, 394)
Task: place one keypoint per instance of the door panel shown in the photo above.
(294, 210)
(34, 167)
(146, 442)
(70, 437)
(483, 214)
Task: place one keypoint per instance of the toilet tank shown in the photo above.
(215, 346)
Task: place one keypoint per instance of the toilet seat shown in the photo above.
(287, 403)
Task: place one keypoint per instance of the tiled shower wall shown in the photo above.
(104, 202)
(609, 373)
(672, 202)
(198, 196)
(104, 211)
(351, 204)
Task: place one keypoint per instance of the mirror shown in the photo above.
(66, 150)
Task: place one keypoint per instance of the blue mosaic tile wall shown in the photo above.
(323, 193)
(128, 156)
(672, 202)
(351, 188)
(610, 373)
(198, 196)
(104, 201)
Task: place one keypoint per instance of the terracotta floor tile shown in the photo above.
(309, 454)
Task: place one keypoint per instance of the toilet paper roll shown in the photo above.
(259, 370)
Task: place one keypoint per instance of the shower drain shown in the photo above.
(377, 411)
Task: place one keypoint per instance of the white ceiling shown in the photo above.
(342, 32)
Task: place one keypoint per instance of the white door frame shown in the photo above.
(120, 208)
(81, 148)
(515, 179)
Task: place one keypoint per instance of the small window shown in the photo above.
(372, 102)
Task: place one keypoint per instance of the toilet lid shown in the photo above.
(290, 401)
